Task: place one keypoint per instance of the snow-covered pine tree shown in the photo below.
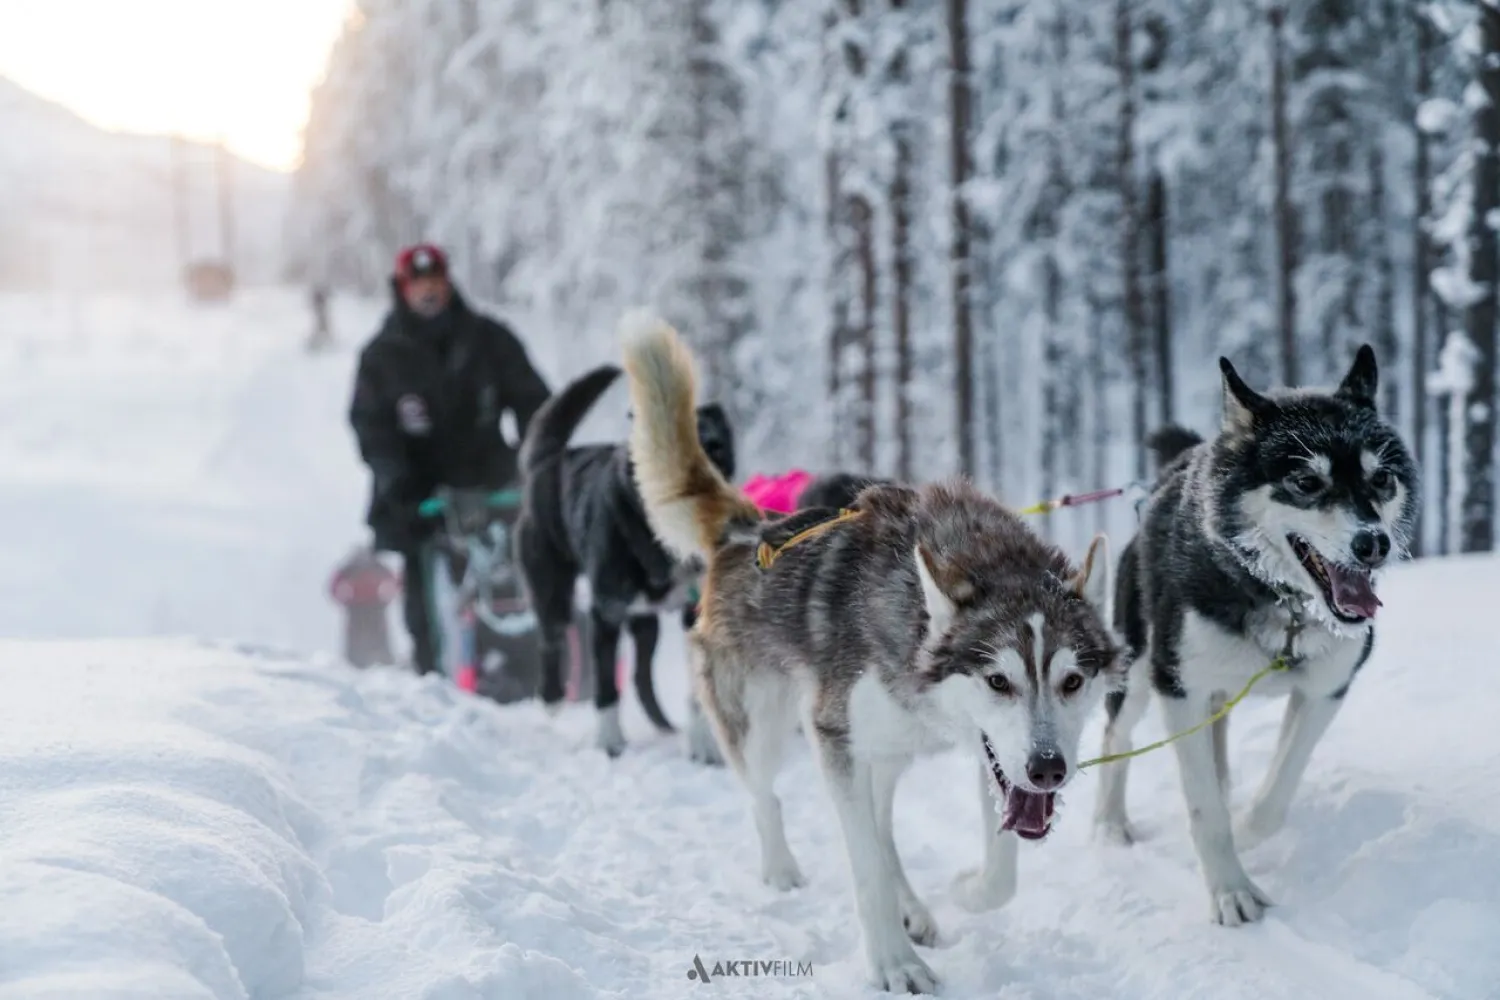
(1044, 203)
(1477, 498)
(722, 170)
(1288, 230)
(775, 51)
(1000, 94)
(1205, 115)
(1422, 40)
(854, 277)
(1339, 57)
(1151, 45)
(1452, 196)
(1042, 233)
(904, 130)
(961, 168)
(1132, 294)
(1015, 196)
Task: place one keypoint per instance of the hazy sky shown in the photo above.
(237, 68)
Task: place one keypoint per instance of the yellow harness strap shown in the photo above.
(1284, 661)
(767, 553)
(1276, 666)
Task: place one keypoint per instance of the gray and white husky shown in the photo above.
(1263, 541)
(931, 618)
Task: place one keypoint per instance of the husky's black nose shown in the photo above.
(1046, 770)
(1371, 547)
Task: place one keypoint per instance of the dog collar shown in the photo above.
(1294, 629)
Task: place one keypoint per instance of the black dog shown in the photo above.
(581, 514)
(836, 490)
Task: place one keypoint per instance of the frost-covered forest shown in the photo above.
(1001, 237)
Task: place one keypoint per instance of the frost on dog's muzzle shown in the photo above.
(1026, 813)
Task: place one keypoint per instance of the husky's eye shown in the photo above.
(1306, 483)
(999, 684)
(1072, 684)
(1381, 479)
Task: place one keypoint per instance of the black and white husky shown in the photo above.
(932, 617)
(1262, 542)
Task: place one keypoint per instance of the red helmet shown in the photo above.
(420, 261)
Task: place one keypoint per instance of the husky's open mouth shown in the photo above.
(1029, 814)
(1348, 591)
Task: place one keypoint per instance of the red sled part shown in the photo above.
(364, 586)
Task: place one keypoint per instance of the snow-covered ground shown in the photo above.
(167, 469)
(193, 817)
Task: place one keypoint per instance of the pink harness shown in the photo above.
(778, 494)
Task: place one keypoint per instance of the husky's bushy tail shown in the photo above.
(688, 502)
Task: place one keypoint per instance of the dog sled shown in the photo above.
(487, 633)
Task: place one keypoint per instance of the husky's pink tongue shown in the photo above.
(1029, 814)
(1352, 594)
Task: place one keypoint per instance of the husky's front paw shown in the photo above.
(1257, 826)
(918, 921)
(1116, 831)
(610, 737)
(553, 708)
(1238, 902)
(977, 891)
(705, 753)
(903, 972)
(782, 874)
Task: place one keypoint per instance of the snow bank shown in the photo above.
(180, 819)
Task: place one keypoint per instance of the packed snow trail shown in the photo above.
(180, 819)
(169, 469)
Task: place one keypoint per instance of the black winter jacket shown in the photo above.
(428, 398)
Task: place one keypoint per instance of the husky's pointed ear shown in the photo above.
(1242, 404)
(1362, 380)
(1095, 580)
(941, 608)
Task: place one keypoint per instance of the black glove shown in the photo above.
(395, 519)
(399, 531)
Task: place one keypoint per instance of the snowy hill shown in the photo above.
(90, 209)
(181, 820)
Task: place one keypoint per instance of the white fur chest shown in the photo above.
(1212, 658)
(881, 726)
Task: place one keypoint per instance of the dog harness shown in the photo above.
(1285, 660)
(767, 553)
